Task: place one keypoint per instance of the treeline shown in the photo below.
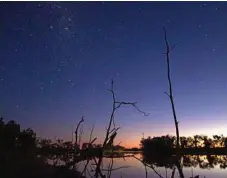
(13, 138)
(25, 142)
(167, 143)
(20, 154)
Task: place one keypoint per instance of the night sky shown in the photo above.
(57, 60)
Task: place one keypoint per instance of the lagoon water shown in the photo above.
(199, 165)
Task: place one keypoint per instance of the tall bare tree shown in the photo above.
(170, 95)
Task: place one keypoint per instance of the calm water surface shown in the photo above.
(209, 168)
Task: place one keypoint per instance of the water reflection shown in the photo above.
(205, 161)
(201, 161)
(204, 165)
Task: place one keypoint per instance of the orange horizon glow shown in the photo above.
(129, 137)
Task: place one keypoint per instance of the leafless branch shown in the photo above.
(132, 104)
(171, 48)
(145, 114)
(170, 94)
(76, 145)
(167, 94)
(114, 130)
(76, 132)
(111, 133)
(92, 130)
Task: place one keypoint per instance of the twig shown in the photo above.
(167, 94)
(132, 104)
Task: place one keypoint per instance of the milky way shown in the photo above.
(57, 59)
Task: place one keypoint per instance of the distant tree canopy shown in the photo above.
(23, 155)
(12, 137)
(167, 142)
(158, 144)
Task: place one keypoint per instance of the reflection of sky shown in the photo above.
(137, 170)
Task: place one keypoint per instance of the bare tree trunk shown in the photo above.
(76, 145)
(111, 133)
(170, 95)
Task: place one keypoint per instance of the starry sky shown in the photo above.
(57, 60)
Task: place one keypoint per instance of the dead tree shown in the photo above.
(170, 95)
(111, 130)
(76, 145)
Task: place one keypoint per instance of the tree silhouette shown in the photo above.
(170, 95)
(23, 155)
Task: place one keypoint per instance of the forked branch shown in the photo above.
(111, 130)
